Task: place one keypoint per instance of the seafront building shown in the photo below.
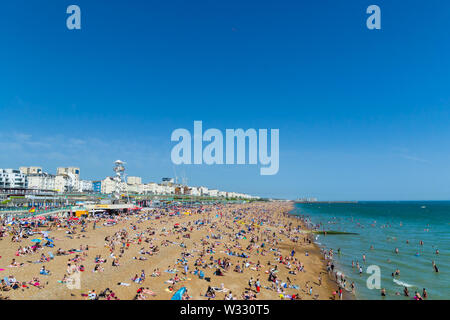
(12, 178)
(67, 180)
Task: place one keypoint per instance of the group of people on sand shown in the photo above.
(234, 239)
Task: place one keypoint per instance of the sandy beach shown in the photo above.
(243, 242)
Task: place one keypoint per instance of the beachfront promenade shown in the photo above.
(25, 212)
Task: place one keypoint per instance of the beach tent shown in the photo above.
(179, 294)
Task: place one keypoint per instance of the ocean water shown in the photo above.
(387, 226)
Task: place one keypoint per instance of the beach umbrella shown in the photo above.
(36, 240)
(179, 294)
(49, 240)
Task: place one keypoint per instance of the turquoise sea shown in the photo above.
(387, 226)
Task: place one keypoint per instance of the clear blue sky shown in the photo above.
(363, 114)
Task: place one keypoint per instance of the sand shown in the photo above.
(219, 220)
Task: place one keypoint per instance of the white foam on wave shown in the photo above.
(403, 284)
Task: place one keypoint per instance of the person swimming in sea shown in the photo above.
(435, 267)
(383, 292)
(406, 292)
(396, 250)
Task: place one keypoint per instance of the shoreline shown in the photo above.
(346, 295)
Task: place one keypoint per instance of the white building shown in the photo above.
(30, 170)
(222, 194)
(12, 178)
(204, 191)
(135, 188)
(166, 189)
(213, 193)
(134, 180)
(86, 186)
(61, 183)
(68, 171)
(150, 188)
(42, 181)
(195, 191)
(108, 185)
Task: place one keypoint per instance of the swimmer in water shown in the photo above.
(437, 251)
(364, 258)
(396, 250)
(371, 247)
(406, 292)
(435, 267)
(383, 292)
(424, 293)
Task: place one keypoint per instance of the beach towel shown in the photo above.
(179, 294)
(171, 271)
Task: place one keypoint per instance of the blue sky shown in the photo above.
(363, 115)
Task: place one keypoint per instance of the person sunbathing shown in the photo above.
(44, 271)
(36, 283)
(156, 273)
(4, 286)
(98, 268)
(210, 293)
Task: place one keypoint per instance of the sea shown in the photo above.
(387, 226)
